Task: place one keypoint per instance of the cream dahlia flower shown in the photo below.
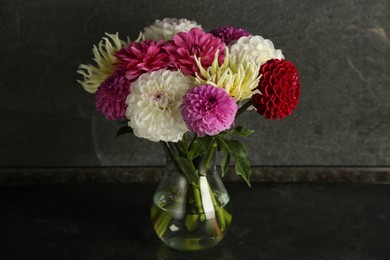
(238, 78)
(104, 56)
(154, 105)
(255, 47)
(165, 29)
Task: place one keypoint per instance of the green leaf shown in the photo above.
(186, 140)
(187, 168)
(238, 151)
(124, 130)
(243, 168)
(225, 162)
(200, 146)
(240, 130)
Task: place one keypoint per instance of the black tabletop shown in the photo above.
(270, 221)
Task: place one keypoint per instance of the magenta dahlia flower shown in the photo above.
(111, 96)
(208, 110)
(229, 33)
(196, 42)
(141, 57)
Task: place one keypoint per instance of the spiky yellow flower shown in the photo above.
(238, 78)
(104, 56)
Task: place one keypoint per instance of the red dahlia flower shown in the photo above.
(140, 57)
(196, 42)
(280, 89)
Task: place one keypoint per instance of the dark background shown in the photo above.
(341, 49)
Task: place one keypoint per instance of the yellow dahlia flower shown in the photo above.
(104, 56)
(238, 78)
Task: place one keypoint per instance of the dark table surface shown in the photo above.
(271, 221)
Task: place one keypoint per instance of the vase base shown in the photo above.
(191, 243)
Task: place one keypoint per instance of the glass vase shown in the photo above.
(191, 215)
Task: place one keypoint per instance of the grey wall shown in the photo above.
(341, 48)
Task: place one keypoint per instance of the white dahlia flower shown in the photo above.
(154, 105)
(165, 29)
(255, 47)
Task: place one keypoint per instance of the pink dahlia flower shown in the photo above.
(111, 96)
(140, 57)
(228, 33)
(196, 42)
(208, 110)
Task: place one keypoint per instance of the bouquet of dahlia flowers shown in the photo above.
(184, 87)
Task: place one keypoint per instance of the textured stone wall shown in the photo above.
(341, 48)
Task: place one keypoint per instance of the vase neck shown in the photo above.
(204, 165)
(170, 164)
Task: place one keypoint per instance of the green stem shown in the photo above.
(206, 159)
(160, 220)
(198, 201)
(244, 107)
(193, 140)
(180, 149)
(218, 210)
(228, 216)
(184, 147)
(162, 225)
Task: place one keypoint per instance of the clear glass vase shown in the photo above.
(190, 216)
